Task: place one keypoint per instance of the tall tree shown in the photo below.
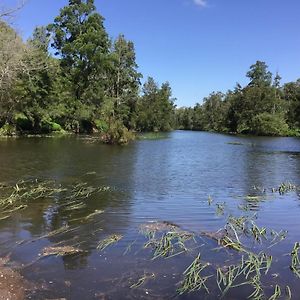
(81, 42)
(259, 74)
(124, 80)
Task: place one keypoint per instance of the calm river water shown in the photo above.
(167, 181)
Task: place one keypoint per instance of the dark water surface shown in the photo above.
(161, 180)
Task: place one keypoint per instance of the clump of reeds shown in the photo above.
(220, 208)
(193, 279)
(112, 239)
(295, 266)
(248, 272)
(82, 190)
(284, 188)
(169, 244)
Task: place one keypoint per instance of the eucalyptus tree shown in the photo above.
(124, 80)
(82, 45)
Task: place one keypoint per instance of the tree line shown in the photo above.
(262, 107)
(71, 76)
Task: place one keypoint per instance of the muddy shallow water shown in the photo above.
(73, 194)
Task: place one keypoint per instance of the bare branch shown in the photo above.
(9, 12)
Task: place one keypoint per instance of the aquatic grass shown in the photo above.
(284, 188)
(220, 209)
(288, 293)
(277, 237)
(15, 197)
(256, 263)
(76, 206)
(258, 233)
(60, 251)
(238, 223)
(277, 293)
(142, 280)
(258, 291)
(169, 244)
(95, 213)
(248, 272)
(295, 266)
(226, 279)
(152, 136)
(244, 207)
(112, 239)
(235, 143)
(230, 243)
(193, 279)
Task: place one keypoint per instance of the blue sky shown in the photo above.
(198, 46)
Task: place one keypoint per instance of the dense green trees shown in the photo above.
(263, 107)
(91, 83)
(70, 76)
(155, 109)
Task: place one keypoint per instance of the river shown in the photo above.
(183, 181)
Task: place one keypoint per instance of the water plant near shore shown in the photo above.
(193, 279)
(110, 240)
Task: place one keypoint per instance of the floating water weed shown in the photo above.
(193, 279)
(250, 269)
(238, 224)
(258, 293)
(226, 279)
(295, 267)
(169, 244)
(112, 239)
(95, 213)
(220, 209)
(277, 293)
(256, 263)
(258, 233)
(17, 195)
(277, 237)
(288, 293)
(60, 251)
(142, 280)
(229, 242)
(209, 200)
(284, 188)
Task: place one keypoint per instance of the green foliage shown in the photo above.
(93, 84)
(22, 122)
(7, 130)
(117, 133)
(155, 109)
(101, 125)
(270, 124)
(260, 108)
(48, 126)
(80, 39)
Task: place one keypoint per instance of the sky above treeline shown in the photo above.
(199, 46)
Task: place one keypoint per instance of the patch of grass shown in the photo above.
(193, 279)
(142, 280)
(295, 266)
(112, 239)
(169, 244)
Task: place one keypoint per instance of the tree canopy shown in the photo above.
(70, 75)
(262, 107)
